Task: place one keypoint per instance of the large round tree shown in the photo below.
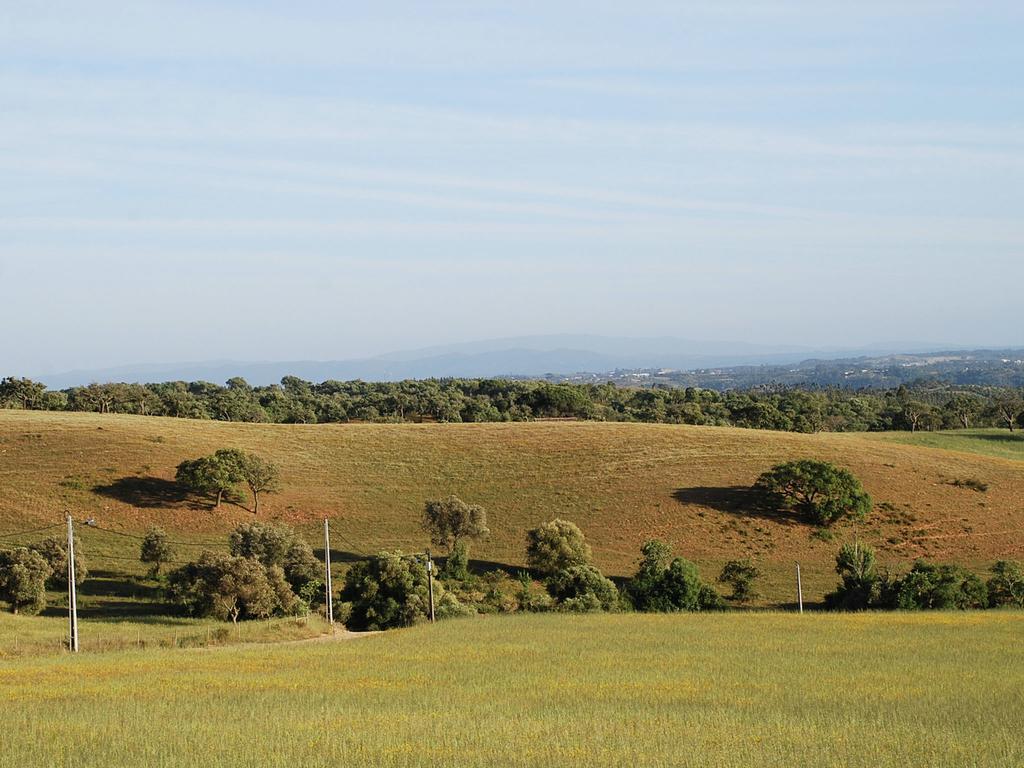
(817, 490)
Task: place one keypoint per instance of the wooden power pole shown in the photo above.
(72, 592)
(430, 583)
(328, 590)
(799, 589)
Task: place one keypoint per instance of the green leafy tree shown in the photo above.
(221, 473)
(583, 589)
(655, 557)
(456, 565)
(964, 409)
(22, 393)
(279, 546)
(937, 587)
(54, 551)
(217, 475)
(156, 550)
(1008, 408)
(390, 590)
(451, 521)
(740, 576)
(663, 583)
(861, 584)
(230, 587)
(818, 490)
(1006, 587)
(556, 546)
(266, 542)
(260, 475)
(23, 575)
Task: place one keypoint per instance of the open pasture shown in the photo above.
(857, 691)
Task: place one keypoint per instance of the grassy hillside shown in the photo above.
(623, 483)
(858, 691)
(988, 442)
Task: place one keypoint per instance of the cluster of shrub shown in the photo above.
(271, 571)
(391, 589)
(268, 571)
(27, 572)
(467, 400)
(926, 586)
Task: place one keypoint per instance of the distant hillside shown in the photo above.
(980, 367)
(623, 483)
(526, 356)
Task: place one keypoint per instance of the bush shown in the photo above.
(1006, 587)
(155, 550)
(583, 588)
(661, 584)
(532, 596)
(279, 545)
(740, 575)
(493, 592)
(971, 483)
(818, 490)
(232, 587)
(265, 542)
(55, 552)
(303, 571)
(556, 546)
(456, 565)
(23, 575)
(452, 521)
(936, 587)
(390, 590)
(861, 585)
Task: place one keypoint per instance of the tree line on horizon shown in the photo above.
(924, 407)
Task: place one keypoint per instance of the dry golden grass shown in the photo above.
(709, 690)
(622, 483)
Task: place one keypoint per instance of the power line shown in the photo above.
(101, 556)
(30, 531)
(143, 538)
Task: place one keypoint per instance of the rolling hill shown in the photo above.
(622, 483)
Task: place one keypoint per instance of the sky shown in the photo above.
(326, 180)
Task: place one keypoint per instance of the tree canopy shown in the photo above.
(23, 575)
(451, 521)
(819, 491)
(220, 474)
(556, 546)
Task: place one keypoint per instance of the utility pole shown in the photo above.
(72, 592)
(328, 590)
(430, 583)
(799, 589)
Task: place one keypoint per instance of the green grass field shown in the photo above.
(47, 635)
(988, 442)
(856, 691)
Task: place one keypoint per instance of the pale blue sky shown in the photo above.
(257, 180)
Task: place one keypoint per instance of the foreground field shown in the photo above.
(745, 690)
(623, 483)
(47, 635)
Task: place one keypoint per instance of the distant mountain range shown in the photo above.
(527, 356)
